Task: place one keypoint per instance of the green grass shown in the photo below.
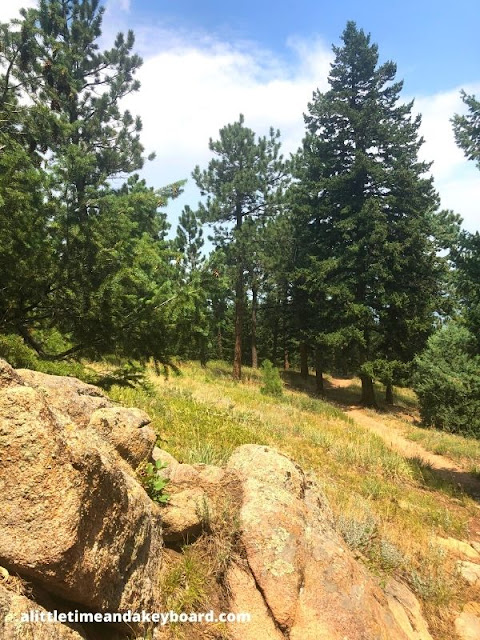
(461, 449)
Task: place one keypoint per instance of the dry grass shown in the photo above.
(194, 579)
(388, 508)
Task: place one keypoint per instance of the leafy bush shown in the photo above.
(14, 350)
(447, 381)
(272, 383)
(153, 483)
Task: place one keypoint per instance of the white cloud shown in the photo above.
(190, 89)
(9, 9)
(456, 178)
(193, 84)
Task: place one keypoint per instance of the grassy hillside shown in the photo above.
(389, 509)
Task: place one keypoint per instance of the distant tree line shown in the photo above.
(336, 259)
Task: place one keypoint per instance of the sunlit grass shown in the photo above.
(202, 415)
(461, 449)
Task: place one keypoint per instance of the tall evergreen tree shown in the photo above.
(467, 135)
(112, 270)
(467, 128)
(364, 214)
(242, 182)
(25, 215)
(189, 240)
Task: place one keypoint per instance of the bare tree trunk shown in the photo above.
(237, 356)
(220, 343)
(286, 355)
(254, 327)
(368, 392)
(275, 341)
(319, 386)
(239, 302)
(303, 360)
(389, 393)
(203, 351)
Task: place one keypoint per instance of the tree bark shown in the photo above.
(319, 385)
(220, 343)
(275, 341)
(286, 355)
(303, 360)
(237, 355)
(254, 327)
(239, 302)
(368, 392)
(389, 393)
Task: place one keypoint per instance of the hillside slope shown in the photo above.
(399, 514)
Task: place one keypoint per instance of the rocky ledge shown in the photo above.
(78, 528)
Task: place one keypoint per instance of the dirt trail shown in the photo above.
(404, 447)
(444, 466)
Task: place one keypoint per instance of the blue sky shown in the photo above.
(435, 43)
(206, 62)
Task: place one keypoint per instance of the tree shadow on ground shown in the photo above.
(455, 483)
(345, 393)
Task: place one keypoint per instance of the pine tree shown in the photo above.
(25, 215)
(189, 240)
(112, 271)
(467, 260)
(467, 128)
(366, 263)
(242, 182)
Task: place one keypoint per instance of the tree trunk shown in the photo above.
(303, 360)
(254, 327)
(286, 356)
(319, 386)
(237, 356)
(275, 341)
(220, 343)
(368, 392)
(203, 351)
(389, 393)
(239, 302)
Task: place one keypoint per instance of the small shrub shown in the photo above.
(359, 534)
(14, 350)
(153, 483)
(447, 381)
(272, 383)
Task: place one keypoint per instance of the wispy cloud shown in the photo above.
(457, 179)
(189, 91)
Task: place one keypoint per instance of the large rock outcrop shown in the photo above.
(73, 517)
(13, 606)
(76, 523)
(301, 580)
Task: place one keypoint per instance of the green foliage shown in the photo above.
(153, 483)
(21, 356)
(467, 128)
(272, 383)
(77, 254)
(243, 184)
(14, 350)
(368, 279)
(447, 381)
